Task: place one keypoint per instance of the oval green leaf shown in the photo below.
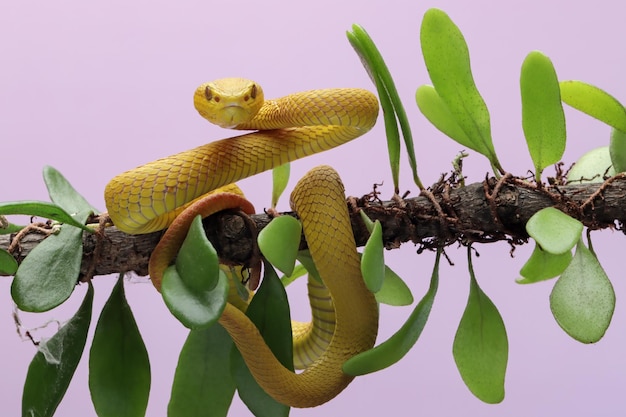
(203, 379)
(41, 209)
(197, 262)
(582, 300)
(280, 178)
(8, 264)
(543, 118)
(543, 265)
(53, 366)
(195, 310)
(119, 368)
(553, 230)
(269, 311)
(595, 102)
(592, 167)
(481, 345)
(47, 276)
(373, 259)
(195, 291)
(448, 63)
(279, 242)
(617, 150)
(63, 194)
(394, 291)
(438, 114)
(398, 345)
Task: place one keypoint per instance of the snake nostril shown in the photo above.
(246, 97)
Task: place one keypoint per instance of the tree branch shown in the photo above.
(481, 212)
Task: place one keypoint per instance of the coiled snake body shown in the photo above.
(150, 197)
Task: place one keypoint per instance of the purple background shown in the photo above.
(94, 90)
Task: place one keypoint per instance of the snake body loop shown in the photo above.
(149, 198)
(320, 202)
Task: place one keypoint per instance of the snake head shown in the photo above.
(228, 102)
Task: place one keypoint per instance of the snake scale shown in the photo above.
(150, 197)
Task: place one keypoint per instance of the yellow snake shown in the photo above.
(150, 197)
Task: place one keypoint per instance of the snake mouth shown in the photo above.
(232, 115)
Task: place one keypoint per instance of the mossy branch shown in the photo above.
(489, 211)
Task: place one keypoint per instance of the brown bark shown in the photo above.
(481, 212)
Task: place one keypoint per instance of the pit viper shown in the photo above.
(150, 197)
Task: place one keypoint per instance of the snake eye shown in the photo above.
(253, 91)
(208, 94)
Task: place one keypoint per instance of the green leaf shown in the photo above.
(304, 257)
(41, 209)
(543, 119)
(617, 150)
(8, 264)
(119, 368)
(203, 379)
(393, 137)
(592, 167)
(582, 300)
(398, 345)
(367, 51)
(195, 289)
(48, 275)
(394, 291)
(280, 176)
(481, 346)
(53, 366)
(448, 63)
(595, 102)
(373, 259)
(269, 311)
(279, 242)
(543, 265)
(238, 293)
(298, 271)
(64, 195)
(197, 261)
(369, 224)
(195, 310)
(438, 114)
(553, 230)
(393, 110)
